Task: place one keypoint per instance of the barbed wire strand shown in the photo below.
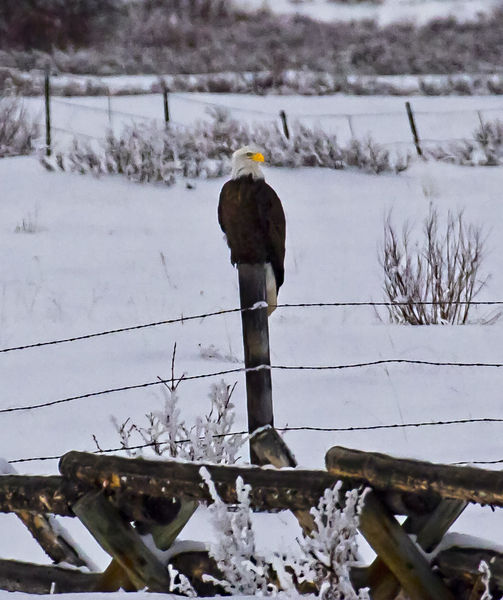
(244, 370)
(287, 429)
(119, 330)
(272, 115)
(201, 316)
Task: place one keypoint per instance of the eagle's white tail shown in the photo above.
(272, 291)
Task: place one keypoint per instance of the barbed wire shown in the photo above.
(201, 316)
(245, 370)
(119, 330)
(274, 115)
(77, 133)
(287, 429)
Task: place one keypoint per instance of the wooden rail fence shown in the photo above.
(120, 499)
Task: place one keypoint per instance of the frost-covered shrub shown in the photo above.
(17, 130)
(372, 157)
(323, 560)
(489, 136)
(209, 439)
(329, 553)
(243, 570)
(485, 149)
(144, 153)
(433, 282)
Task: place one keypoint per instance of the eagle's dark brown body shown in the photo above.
(252, 218)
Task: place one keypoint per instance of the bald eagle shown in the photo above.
(252, 218)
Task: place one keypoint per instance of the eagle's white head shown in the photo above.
(246, 161)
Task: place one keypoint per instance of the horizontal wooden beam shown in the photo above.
(37, 494)
(382, 472)
(30, 496)
(16, 576)
(272, 489)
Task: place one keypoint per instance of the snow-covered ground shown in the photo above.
(385, 12)
(107, 253)
(383, 117)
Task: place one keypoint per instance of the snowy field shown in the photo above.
(383, 117)
(106, 253)
(384, 12)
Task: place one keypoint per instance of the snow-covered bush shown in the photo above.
(144, 153)
(434, 281)
(324, 558)
(485, 149)
(373, 158)
(167, 434)
(329, 553)
(17, 130)
(243, 570)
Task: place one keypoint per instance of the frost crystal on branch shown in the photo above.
(325, 560)
(208, 439)
(179, 584)
(234, 551)
(330, 552)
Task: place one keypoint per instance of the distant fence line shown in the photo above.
(165, 114)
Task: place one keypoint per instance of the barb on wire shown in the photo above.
(230, 311)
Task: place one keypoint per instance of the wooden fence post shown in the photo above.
(165, 100)
(284, 121)
(109, 107)
(47, 94)
(350, 123)
(252, 290)
(413, 128)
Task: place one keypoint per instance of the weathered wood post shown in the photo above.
(109, 108)
(47, 94)
(165, 100)
(252, 292)
(413, 128)
(284, 121)
(481, 120)
(350, 124)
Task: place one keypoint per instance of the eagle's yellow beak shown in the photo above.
(258, 157)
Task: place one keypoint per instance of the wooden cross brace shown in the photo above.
(400, 563)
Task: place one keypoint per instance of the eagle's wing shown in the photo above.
(251, 216)
(224, 198)
(273, 220)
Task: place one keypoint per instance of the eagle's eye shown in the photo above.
(249, 154)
